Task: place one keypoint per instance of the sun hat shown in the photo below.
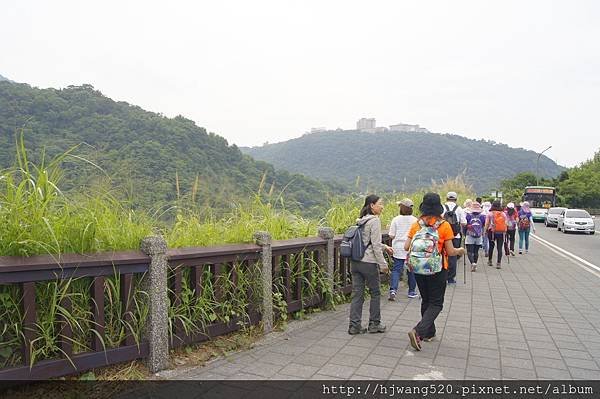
(406, 202)
(475, 207)
(431, 205)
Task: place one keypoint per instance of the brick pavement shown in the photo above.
(537, 318)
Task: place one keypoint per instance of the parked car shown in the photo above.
(576, 220)
(552, 216)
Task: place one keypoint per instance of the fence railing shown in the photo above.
(138, 304)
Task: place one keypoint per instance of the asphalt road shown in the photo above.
(581, 244)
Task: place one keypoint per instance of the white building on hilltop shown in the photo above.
(365, 123)
(403, 127)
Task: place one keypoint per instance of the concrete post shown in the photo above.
(263, 239)
(157, 326)
(327, 233)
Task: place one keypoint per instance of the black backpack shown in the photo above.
(352, 244)
(451, 217)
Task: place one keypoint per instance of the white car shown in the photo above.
(576, 220)
(552, 216)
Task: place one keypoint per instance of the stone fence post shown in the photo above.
(157, 326)
(263, 238)
(327, 233)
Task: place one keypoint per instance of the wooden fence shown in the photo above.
(297, 270)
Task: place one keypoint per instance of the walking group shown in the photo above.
(429, 247)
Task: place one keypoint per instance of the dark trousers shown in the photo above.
(453, 260)
(432, 289)
(510, 236)
(365, 274)
(473, 252)
(496, 239)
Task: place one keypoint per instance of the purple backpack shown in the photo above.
(474, 226)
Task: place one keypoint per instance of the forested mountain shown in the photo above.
(145, 154)
(401, 161)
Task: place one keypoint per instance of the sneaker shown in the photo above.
(413, 295)
(352, 330)
(474, 267)
(429, 339)
(451, 281)
(512, 253)
(498, 266)
(377, 328)
(392, 296)
(520, 252)
(415, 341)
(526, 251)
(490, 263)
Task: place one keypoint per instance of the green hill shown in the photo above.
(400, 161)
(141, 151)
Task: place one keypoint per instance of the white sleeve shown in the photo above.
(463, 216)
(393, 228)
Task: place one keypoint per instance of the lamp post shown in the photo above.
(537, 167)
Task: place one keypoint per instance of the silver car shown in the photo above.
(576, 220)
(551, 219)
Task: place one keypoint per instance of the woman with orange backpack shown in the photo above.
(495, 226)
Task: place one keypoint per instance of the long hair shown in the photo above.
(366, 209)
(496, 206)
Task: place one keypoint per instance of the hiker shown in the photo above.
(486, 242)
(512, 217)
(495, 228)
(525, 225)
(455, 215)
(474, 235)
(429, 243)
(398, 230)
(467, 208)
(478, 199)
(366, 271)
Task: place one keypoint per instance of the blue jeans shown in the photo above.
(397, 272)
(524, 237)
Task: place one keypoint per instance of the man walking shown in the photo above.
(457, 218)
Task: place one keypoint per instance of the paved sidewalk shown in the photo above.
(537, 318)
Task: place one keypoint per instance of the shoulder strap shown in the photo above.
(447, 208)
(438, 223)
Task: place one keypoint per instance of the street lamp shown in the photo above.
(537, 167)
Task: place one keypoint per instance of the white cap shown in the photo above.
(451, 195)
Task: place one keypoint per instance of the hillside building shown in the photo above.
(404, 127)
(365, 123)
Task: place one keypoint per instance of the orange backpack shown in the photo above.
(498, 222)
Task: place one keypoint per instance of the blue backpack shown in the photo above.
(424, 256)
(352, 245)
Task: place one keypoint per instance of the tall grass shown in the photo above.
(36, 217)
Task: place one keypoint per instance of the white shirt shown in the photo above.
(460, 214)
(399, 229)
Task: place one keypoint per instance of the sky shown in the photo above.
(523, 73)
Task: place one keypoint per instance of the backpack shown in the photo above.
(474, 226)
(497, 222)
(524, 222)
(451, 217)
(511, 223)
(424, 256)
(352, 245)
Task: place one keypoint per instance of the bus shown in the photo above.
(540, 198)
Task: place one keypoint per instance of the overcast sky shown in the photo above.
(524, 73)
